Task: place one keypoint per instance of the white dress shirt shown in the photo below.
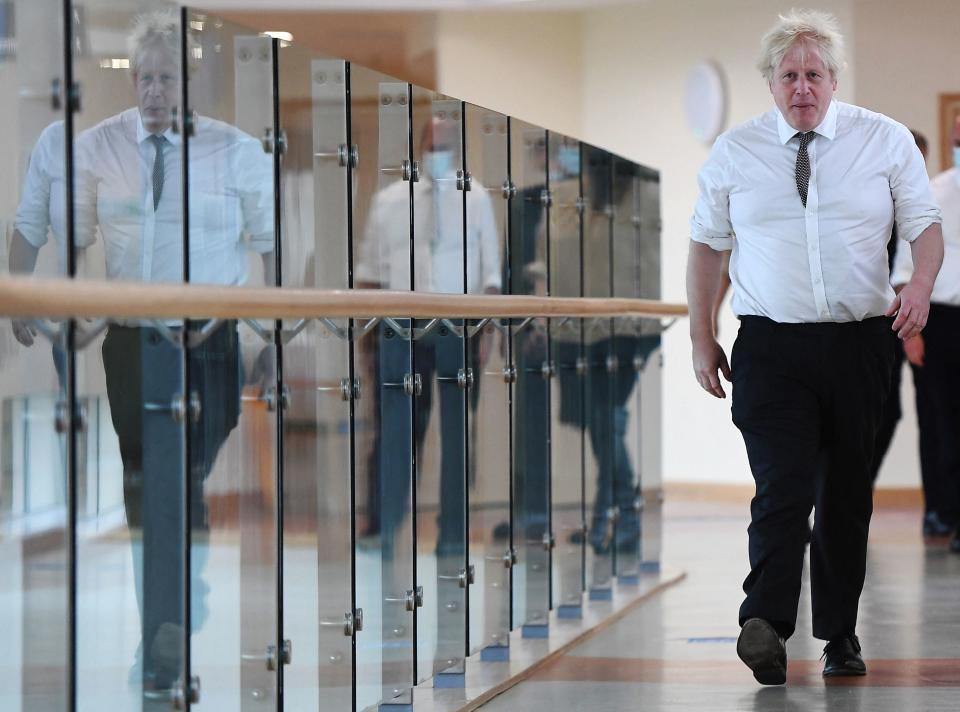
(438, 229)
(946, 290)
(231, 201)
(828, 261)
(42, 207)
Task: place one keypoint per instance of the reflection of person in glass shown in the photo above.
(40, 214)
(614, 357)
(528, 256)
(129, 186)
(385, 263)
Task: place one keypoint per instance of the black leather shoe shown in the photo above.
(955, 542)
(934, 526)
(763, 651)
(842, 658)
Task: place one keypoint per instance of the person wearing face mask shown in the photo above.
(384, 263)
(936, 355)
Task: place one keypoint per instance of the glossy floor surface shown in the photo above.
(677, 650)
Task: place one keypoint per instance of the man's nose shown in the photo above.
(803, 85)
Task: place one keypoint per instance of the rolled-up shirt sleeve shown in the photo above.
(33, 212)
(710, 223)
(914, 206)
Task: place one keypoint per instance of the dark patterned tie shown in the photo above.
(802, 171)
(158, 144)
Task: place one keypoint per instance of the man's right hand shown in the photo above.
(914, 350)
(708, 359)
(23, 332)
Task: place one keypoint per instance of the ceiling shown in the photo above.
(413, 5)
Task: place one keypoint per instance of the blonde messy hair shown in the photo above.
(160, 27)
(799, 25)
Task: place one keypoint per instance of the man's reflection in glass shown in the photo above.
(612, 360)
(40, 214)
(129, 188)
(385, 263)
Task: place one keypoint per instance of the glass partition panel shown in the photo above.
(531, 447)
(626, 350)
(380, 126)
(650, 409)
(232, 367)
(317, 457)
(566, 417)
(598, 467)
(33, 389)
(488, 409)
(439, 410)
(129, 226)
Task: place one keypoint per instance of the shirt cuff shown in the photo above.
(36, 236)
(262, 243)
(910, 230)
(720, 244)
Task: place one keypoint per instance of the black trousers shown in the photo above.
(143, 373)
(438, 354)
(808, 399)
(942, 380)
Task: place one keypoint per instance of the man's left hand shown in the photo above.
(912, 307)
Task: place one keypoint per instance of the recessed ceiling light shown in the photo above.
(111, 63)
(279, 35)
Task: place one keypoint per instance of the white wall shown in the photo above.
(523, 64)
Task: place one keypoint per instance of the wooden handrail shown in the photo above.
(66, 298)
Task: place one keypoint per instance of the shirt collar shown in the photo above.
(142, 135)
(827, 127)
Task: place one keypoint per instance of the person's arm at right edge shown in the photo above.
(917, 217)
(913, 348)
(912, 303)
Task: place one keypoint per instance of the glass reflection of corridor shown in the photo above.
(276, 513)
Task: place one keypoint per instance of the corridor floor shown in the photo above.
(677, 650)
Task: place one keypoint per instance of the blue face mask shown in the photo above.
(956, 157)
(439, 164)
(569, 159)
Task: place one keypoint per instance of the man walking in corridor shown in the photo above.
(805, 197)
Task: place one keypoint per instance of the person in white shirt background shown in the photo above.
(805, 197)
(384, 263)
(936, 353)
(129, 194)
